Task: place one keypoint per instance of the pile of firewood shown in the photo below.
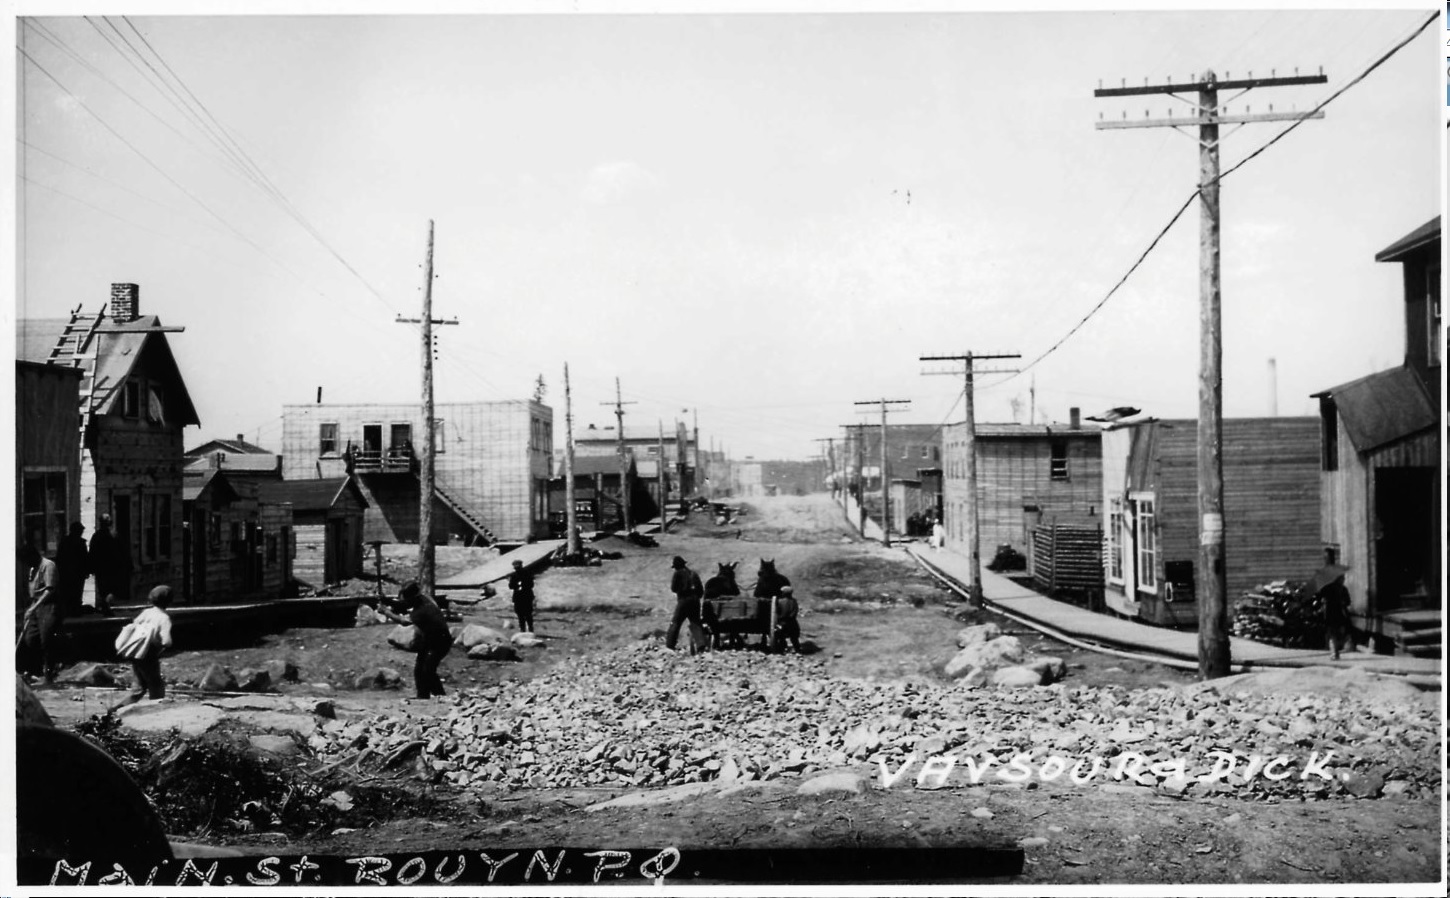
(1282, 613)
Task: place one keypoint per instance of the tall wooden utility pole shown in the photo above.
(699, 471)
(1213, 642)
(571, 515)
(619, 405)
(973, 521)
(660, 475)
(427, 578)
(885, 478)
(860, 476)
(830, 457)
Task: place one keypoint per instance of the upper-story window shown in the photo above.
(327, 438)
(1058, 460)
(131, 399)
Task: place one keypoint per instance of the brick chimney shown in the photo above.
(125, 303)
(1074, 418)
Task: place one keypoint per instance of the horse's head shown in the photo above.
(728, 570)
(767, 568)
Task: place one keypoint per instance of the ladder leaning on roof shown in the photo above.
(75, 348)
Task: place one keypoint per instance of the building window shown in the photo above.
(1115, 539)
(1328, 434)
(271, 548)
(926, 452)
(936, 453)
(43, 509)
(131, 399)
(1432, 310)
(1147, 545)
(327, 438)
(400, 438)
(155, 409)
(905, 453)
(1058, 461)
(214, 530)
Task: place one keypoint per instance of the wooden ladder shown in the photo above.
(72, 349)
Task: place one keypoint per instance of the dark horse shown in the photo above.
(768, 580)
(723, 583)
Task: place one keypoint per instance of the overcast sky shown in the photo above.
(764, 218)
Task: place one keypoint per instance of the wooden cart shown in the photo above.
(728, 620)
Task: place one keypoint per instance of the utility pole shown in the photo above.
(830, 457)
(974, 540)
(660, 474)
(571, 516)
(861, 478)
(1213, 641)
(699, 471)
(885, 478)
(426, 569)
(619, 405)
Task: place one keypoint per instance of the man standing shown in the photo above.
(435, 640)
(1336, 614)
(688, 590)
(521, 583)
(73, 566)
(40, 634)
(111, 563)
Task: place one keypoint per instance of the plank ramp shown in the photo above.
(531, 554)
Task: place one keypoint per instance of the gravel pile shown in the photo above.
(642, 716)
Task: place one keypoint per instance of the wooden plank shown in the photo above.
(531, 554)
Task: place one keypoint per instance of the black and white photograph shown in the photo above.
(816, 448)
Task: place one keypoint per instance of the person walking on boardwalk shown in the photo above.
(688, 590)
(521, 584)
(435, 639)
(38, 651)
(73, 566)
(1336, 612)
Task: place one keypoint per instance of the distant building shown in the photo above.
(491, 464)
(681, 451)
(327, 522)
(236, 548)
(233, 455)
(1026, 474)
(598, 500)
(133, 407)
(1381, 468)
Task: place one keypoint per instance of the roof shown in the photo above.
(236, 447)
(640, 434)
(116, 356)
(1382, 407)
(1023, 431)
(1425, 234)
(308, 495)
(193, 484)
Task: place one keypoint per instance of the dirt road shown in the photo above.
(873, 625)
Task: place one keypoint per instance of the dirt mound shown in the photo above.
(1367, 687)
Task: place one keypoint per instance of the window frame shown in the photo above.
(1145, 541)
(1057, 459)
(51, 515)
(327, 446)
(1115, 532)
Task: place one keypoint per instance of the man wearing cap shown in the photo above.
(436, 640)
(787, 622)
(521, 584)
(1336, 611)
(147, 668)
(688, 590)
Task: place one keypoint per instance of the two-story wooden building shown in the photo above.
(492, 464)
(1382, 471)
(133, 407)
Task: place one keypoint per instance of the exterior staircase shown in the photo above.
(1416, 633)
(465, 513)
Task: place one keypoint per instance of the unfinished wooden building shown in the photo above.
(492, 464)
(1382, 471)
(1150, 500)
(327, 526)
(133, 407)
(236, 547)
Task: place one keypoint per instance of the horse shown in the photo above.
(768, 580)
(723, 583)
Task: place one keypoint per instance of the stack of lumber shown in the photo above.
(1067, 557)
(1281, 613)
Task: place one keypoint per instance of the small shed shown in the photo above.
(235, 547)
(327, 526)
(1150, 499)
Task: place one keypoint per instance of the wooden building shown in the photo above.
(1150, 498)
(1381, 469)
(491, 464)
(236, 547)
(688, 466)
(47, 453)
(1026, 474)
(234, 455)
(327, 526)
(598, 502)
(133, 408)
(908, 448)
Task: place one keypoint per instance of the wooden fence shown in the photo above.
(1066, 557)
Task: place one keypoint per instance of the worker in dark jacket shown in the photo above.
(73, 566)
(434, 637)
(111, 563)
(521, 584)
(1336, 614)
(688, 590)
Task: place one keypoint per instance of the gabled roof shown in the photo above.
(1425, 234)
(194, 484)
(235, 447)
(309, 495)
(1382, 407)
(116, 357)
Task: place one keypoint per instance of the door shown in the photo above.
(372, 442)
(1404, 538)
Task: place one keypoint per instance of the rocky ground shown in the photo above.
(1116, 773)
